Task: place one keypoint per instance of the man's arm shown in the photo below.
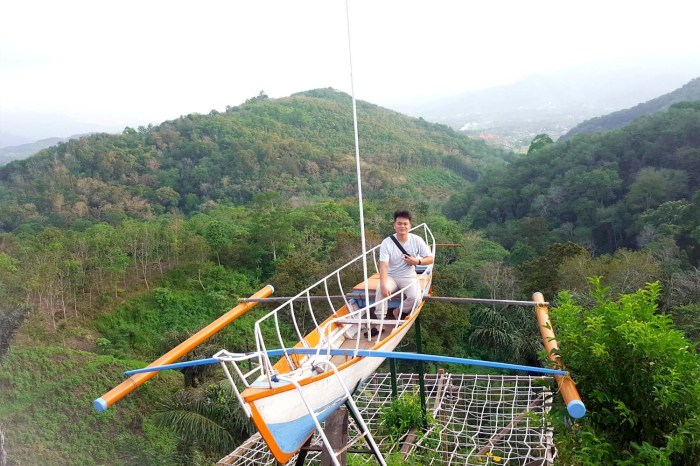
(427, 260)
(424, 253)
(410, 260)
(383, 274)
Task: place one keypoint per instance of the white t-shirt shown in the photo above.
(415, 246)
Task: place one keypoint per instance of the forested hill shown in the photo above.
(300, 147)
(615, 120)
(625, 188)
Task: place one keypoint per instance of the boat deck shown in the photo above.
(349, 344)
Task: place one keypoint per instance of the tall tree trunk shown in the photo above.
(3, 452)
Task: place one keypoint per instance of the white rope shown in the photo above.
(475, 410)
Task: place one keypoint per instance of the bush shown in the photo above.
(404, 413)
(637, 375)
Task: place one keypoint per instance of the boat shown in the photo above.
(288, 398)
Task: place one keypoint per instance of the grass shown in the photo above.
(47, 384)
(46, 411)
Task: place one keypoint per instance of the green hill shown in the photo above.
(300, 147)
(613, 190)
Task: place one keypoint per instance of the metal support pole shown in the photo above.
(421, 374)
(394, 388)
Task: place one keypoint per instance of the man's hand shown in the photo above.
(410, 260)
(386, 292)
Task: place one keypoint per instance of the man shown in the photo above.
(396, 269)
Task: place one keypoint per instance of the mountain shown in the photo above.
(300, 147)
(552, 103)
(689, 92)
(619, 189)
(17, 128)
(10, 153)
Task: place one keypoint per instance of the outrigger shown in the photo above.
(320, 364)
(314, 350)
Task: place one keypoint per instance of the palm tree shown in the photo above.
(208, 420)
(507, 334)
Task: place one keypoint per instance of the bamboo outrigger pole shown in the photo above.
(133, 382)
(574, 405)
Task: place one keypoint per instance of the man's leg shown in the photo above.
(410, 295)
(380, 309)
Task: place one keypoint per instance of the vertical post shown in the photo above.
(394, 388)
(421, 374)
(336, 429)
(301, 456)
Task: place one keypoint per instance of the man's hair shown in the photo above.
(402, 214)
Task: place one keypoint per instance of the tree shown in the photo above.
(209, 420)
(623, 272)
(637, 375)
(506, 334)
(654, 186)
(540, 141)
(8, 274)
(541, 273)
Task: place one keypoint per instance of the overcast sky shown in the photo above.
(136, 62)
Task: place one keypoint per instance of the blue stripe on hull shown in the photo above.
(291, 435)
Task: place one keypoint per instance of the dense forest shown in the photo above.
(300, 147)
(114, 248)
(623, 189)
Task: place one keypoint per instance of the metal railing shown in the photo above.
(308, 309)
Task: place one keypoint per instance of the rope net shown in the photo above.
(472, 419)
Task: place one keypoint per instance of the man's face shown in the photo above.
(402, 225)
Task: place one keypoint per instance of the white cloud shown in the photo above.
(136, 62)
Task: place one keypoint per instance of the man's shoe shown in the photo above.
(373, 333)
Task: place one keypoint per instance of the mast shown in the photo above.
(357, 163)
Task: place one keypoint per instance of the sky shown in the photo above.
(130, 63)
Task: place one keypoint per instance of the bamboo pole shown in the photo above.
(133, 382)
(447, 299)
(574, 405)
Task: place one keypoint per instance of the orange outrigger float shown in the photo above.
(136, 380)
(574, 405)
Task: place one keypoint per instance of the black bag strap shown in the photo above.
(393, 238)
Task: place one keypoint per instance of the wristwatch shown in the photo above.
(420, 261)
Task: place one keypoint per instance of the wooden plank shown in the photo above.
(336, 430)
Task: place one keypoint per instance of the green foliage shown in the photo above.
(687, 319)
(542, 273)
(392, 459)
(459, 273)
(189, 299)
(208, 420)
(402, 414)
(300, 147)
(47, 401)
(540, 141)
(622, 272)
(505, 334)
(592, 188)
(639, 378)
(11, 317)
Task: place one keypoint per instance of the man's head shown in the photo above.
(402, 214)
(402, 222)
